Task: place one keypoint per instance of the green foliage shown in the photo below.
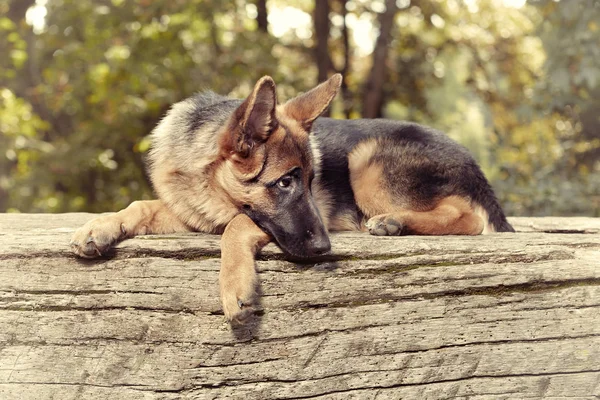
(19, 127)
(571, 33)
(520, 87)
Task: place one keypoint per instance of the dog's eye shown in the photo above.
(284, 182)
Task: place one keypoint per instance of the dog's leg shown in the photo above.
(240, 242)
(401, 209)
(140, 218)
(452, 216)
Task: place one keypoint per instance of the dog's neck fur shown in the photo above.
(185, 146)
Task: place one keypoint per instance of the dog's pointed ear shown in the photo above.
(307, 107)
(255, 119)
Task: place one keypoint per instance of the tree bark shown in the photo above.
(214, 38)
(29, 75)
(16, 13)
(511, 315)
(261, 17)
(373, 94)
(321, 50)
(346, 93)
(17, 9)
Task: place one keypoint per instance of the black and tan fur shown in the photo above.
(255, 171)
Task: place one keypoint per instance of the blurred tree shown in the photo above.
(346, 62)
(325, 65)
(373, 96)
(262, 15)
(321, 28)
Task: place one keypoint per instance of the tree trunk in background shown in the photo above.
(214, 38)
(261, 17)
(30, 72)
(590, 120)
(28, 76)
(373, 95)
(17, 9)
(346, 94)
(321, 21)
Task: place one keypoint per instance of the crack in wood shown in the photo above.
(266, 360)
(237, 383)
(492, 290)
(313, 353)
(462, 379)
(77, 292)
(83, 384)
(99, 340)
(66, 308)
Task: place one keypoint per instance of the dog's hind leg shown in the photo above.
(139, 218)
(393, 208)
(453, 215)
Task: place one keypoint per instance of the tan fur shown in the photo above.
(196, 199)
(139, 218)
(344, 222)
(293, 126)
(309, 106)
(367, 181)
(453, 215)
(237, 278)
(481, 213)
(321, 196)
(323, 202)
(263, 96)
(361, 155)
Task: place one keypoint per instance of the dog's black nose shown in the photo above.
(319, 245)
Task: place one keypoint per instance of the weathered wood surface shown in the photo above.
(501, 316)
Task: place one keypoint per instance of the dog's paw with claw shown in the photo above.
(238, 296)
(385, 225)
(97, 236)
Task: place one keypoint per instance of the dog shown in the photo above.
(256, 171)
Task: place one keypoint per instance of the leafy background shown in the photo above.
(83, 82)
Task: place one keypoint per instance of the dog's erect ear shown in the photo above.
(255, 118)
(309, 106)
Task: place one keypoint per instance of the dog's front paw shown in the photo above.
(97, 236)
(237, 310)
(238, 294)
(385, 225)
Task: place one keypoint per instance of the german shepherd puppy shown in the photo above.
(255, 172)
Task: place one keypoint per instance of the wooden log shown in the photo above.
(499, 316)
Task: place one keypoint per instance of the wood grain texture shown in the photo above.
(504, 316)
